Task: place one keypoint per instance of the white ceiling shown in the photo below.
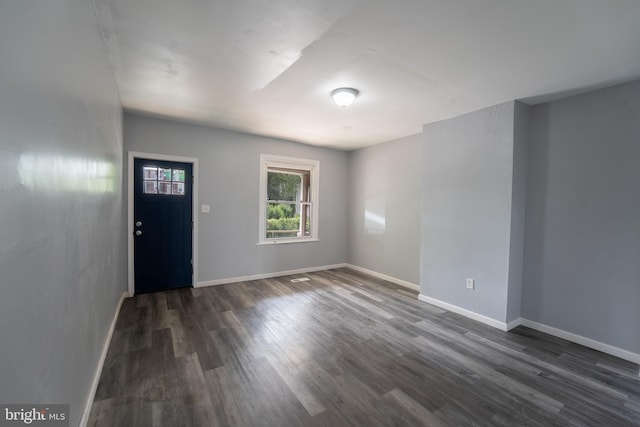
(267, 66)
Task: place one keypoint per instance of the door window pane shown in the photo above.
(178, 175)
(150, 187)
(164, 181)
(177, 188)
(150, 173)
(164, 174)
(164, 188)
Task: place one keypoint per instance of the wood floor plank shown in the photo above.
(228, 411)
(415, 413)
(345, 349)
(195, 393)
(289, 372)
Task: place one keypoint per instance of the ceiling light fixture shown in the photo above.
(344, 96)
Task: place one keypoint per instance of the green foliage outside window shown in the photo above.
(280, 210)
(282, 218)
(283, 186)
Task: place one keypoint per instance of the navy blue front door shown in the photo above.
(162, 225)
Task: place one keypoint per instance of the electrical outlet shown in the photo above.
(471, 284)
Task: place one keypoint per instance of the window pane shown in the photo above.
(177, 188)
(283, 220)
(178, 175)
(164, 188)
(287, 209)
(164, 174)
(306, 219)
(284, 186)
(150, 187)
(163, 181)
(150, 172)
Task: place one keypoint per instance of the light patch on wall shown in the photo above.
(374, 216)
(44, 172)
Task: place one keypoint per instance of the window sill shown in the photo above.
(284, 241)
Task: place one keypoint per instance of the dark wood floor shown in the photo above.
(344, 349)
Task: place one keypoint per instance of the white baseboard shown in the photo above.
(514, 323)
(464, 312)
(587, 342)
(266, 275)
(569, 336)
(96, 379)
(400, 282)
(391, 279)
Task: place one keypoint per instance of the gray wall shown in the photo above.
(466, 209)
(229, 164)
(62, 265)
(582, 248)
(384, 208)
(518, 209)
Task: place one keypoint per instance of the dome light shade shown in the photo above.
(344, 96)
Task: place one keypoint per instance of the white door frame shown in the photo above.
(194, 195)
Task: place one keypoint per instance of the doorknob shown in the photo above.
(138, 232)
(138, 223)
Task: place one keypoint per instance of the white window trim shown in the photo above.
(313, 166)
